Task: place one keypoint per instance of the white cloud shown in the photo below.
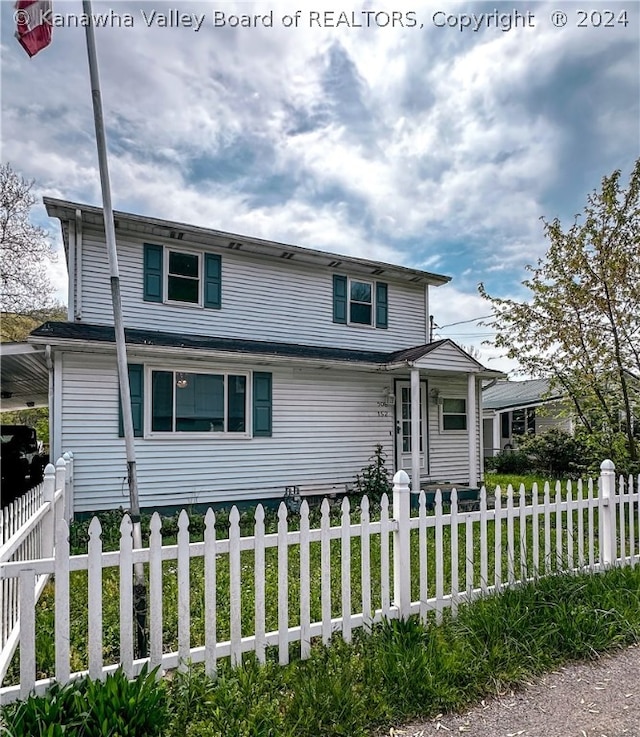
(383, 143)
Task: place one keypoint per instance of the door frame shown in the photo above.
(398, 384)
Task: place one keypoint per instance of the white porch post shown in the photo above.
(415, 430)
(472, 417)
(497, 429)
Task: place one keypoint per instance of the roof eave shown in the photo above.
(65, 211)
(260, 358)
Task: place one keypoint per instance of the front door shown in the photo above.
(403, 425)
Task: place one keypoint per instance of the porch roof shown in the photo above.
(70, 333)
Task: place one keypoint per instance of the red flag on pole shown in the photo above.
(33, 24)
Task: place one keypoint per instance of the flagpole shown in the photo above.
(121, 349)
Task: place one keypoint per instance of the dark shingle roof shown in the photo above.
(86, 333)
(106, 334)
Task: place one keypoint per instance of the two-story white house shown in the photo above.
(253, 366)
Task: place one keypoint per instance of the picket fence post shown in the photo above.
(49, 522)
(607, 514)
(401, 545)
(61, 475)
(68, 489)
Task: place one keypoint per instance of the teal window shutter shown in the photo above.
(382, 305)
(340, 299)
(212, 281)
(153, 273)
(262, 404)
(136, 387)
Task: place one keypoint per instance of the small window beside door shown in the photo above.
(454, 414)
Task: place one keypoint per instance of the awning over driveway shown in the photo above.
(24, 377)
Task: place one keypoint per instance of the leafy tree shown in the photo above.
(24, 248)
(14, 327)
(580, 325)
(37, 417)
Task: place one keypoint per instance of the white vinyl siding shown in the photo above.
(262, 299)
(448, 450)
(552, 415)
(448, 358)
(325, 428)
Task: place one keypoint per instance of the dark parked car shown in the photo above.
(22, 463)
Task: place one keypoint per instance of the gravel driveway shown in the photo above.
(592, 699)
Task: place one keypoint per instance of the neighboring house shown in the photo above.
(511, 409)
(253, 365)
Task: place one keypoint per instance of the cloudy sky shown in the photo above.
(417, 140)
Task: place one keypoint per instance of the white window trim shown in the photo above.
(456, 414)
(190, 252)
(175, 434)
(372, 324)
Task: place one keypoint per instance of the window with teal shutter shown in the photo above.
(340, 299)
(382, 305)
(262, 404)
(153, 272)
(136, 387)
(212, 281)
(360, 302)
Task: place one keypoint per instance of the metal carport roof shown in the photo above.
(24, 376)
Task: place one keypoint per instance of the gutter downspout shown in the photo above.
(78, 267)
(52, 407)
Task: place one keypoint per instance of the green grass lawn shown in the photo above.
(491, 480)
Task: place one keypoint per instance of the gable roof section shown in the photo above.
(442, 355)
(54, 332)
(154, 228)
(506, 394)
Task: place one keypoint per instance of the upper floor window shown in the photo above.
(360, 302)
(182, 277)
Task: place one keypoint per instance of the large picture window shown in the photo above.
(454, 414)
(190, 402)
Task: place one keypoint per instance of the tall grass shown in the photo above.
(407, 669)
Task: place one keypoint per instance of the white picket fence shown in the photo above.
(27, 531)
(394, 566)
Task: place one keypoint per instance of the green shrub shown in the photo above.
(509, 462)
(115, 707)
(374, 478)
(555, 452)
